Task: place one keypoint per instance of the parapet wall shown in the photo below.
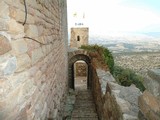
(149, 101)
(114, 102)
(33, 52)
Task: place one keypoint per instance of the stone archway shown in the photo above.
(74, 58)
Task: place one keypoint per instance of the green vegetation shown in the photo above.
(126, 77)
(103, 52)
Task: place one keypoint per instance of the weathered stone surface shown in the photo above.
(8, 65)
(3, 25)
(37, 54)
(18, 15)
(5, 87)
(152, 86)
(111, 109)
(31, 31)
(123, 101)
(4, 10)
(152, 82)
(149, 106)
(26, 90)
(32, 84)
(79, 36)
(4, 45)
(15, 3)
(15, 28)
(19, 46)
(127, 98)
(129, 117)
(19, 78)
(23, 62)
(155, 74)
(131, 95)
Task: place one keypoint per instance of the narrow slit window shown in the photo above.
(78, 38)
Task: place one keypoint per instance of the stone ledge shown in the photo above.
(155, 74)
(124, 99)
(5, 45)
(149, 106)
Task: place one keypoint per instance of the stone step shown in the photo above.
(83, 118)
(84, 114)
(85, 110)
(77, 106)
(91, 118)
(84, 107)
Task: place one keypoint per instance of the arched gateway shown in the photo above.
(75, 56)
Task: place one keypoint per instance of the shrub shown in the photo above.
(103, 52)
(126, 77)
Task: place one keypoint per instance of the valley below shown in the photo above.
(136, 52)
(139, 62)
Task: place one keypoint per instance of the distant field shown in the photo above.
(138, 61)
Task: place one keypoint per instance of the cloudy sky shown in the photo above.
(103, 16)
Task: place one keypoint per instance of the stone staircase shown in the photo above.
(84, 107)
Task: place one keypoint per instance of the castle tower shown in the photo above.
(79, 36)
(79, 31)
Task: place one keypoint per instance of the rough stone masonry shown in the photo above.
(32, 55)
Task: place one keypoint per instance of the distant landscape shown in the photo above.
(138, 52)
(130, 42)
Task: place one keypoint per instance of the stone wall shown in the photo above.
(149, 101)
(114, 102)
(81, 69)
(32, 53)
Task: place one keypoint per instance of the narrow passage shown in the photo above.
(84, 107)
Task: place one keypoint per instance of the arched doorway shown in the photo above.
(72, 61)
(80, 74)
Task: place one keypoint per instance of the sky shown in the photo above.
(104, 16)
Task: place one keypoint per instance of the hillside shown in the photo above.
(139, 62)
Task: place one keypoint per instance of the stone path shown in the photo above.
(84, 107)
(80, 104)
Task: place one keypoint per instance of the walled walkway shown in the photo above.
(84, 107)
(81, 104)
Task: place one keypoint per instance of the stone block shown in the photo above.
(31, 31)
(15, 3)
(155, 74)
(23, 62)
(149, 106)
(37, 78)
(19, 15)
(5, 88)
(4, 45)
(8, 65)
(3, 25)
(19, 46)
(40, 30)
(19, 78)
(36, 55)
(4, 10)
(15, 27)
(26, 91)
(152, 86)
